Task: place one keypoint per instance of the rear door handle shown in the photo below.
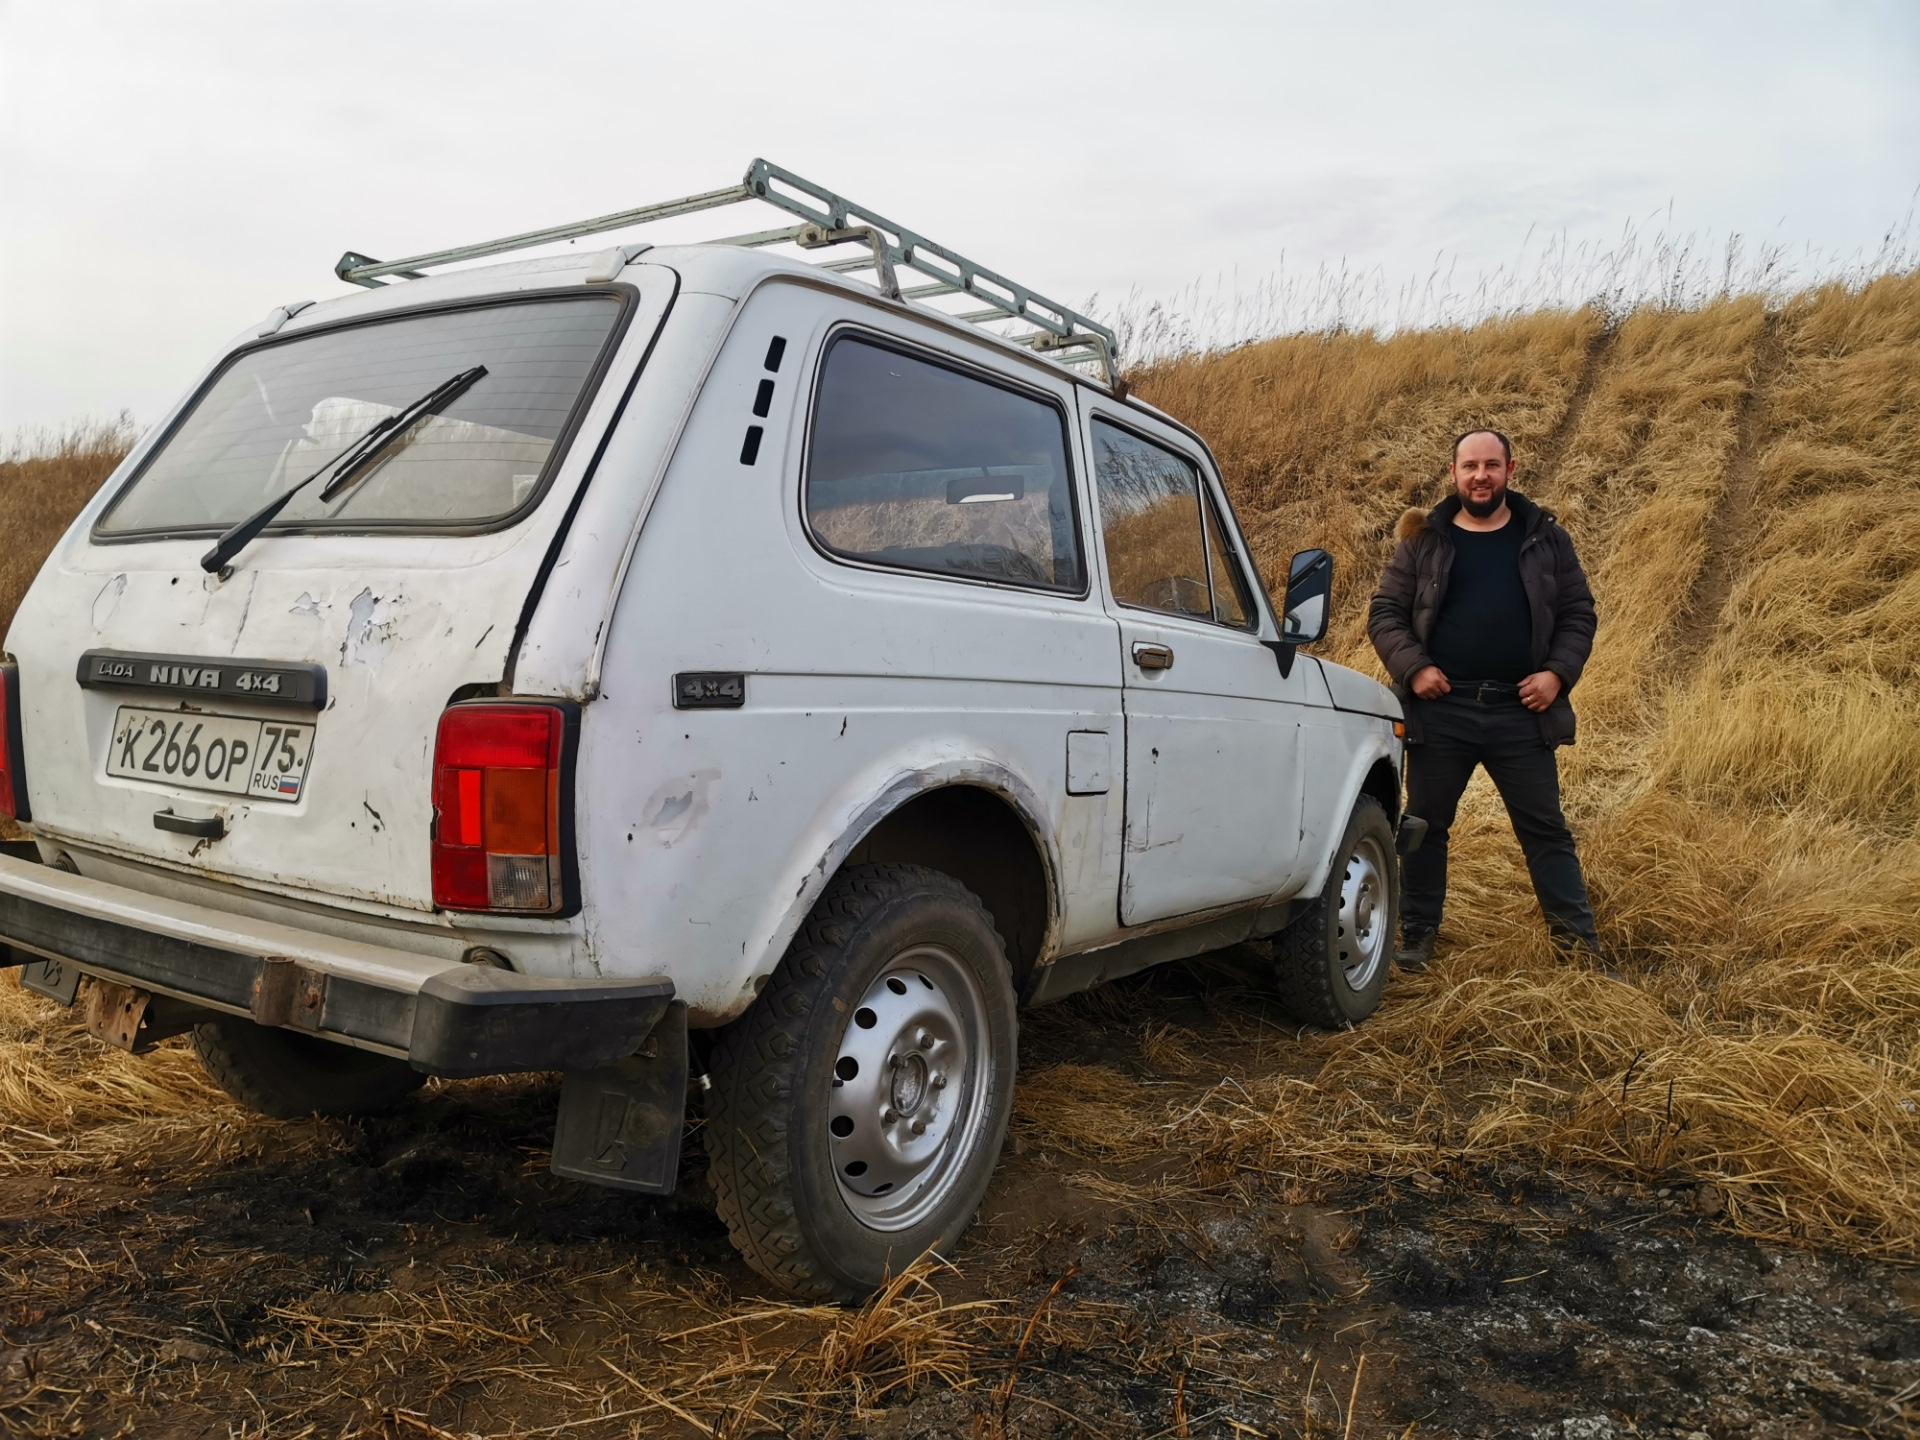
(1152, 657)
(209, 827)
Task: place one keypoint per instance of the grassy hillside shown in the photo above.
(1745, 489)
(44, 480)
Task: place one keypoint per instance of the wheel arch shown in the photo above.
(1383, 783)
(899, 818)
(980, 837)
(1374, 770)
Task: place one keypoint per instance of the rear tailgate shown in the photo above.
(139, 673)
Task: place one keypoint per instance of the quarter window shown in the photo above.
(919, 466)
(1166, 548)
(1231, 603)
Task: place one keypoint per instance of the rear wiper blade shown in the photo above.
(344, 466)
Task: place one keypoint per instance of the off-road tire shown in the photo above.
(773, 1078)
(286, 1075)
(1313, 954)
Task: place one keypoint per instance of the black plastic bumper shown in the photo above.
(462, 1021)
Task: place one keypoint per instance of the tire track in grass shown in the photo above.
(1560, 442)
(1730, 525)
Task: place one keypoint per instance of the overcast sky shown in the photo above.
(171, 169)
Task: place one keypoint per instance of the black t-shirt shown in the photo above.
(1484, 630)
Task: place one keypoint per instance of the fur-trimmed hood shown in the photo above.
(1415, 521)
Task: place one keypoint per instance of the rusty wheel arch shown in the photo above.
(980, 837)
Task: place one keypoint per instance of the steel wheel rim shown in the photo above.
(1362, 926)
(909, 1093)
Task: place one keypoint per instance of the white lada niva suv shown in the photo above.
(768, 663)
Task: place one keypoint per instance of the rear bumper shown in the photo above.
(458, 1020)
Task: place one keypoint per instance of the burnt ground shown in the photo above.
(421, 1273)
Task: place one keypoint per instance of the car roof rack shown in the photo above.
(1058, 333)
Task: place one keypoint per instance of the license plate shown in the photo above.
(260, 759)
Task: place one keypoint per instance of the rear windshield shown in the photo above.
(275, 415)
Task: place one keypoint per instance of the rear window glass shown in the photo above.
(277, 414)
(925, 468)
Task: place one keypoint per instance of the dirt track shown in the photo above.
(422, 1274)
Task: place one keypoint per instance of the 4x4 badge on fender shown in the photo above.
(709, 690)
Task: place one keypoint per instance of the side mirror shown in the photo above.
(1309, 598)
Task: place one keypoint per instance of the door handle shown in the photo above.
(210, 827)
(1152, 657)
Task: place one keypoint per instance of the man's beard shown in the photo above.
(1482, 509)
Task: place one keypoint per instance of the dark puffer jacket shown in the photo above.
(1415, 586)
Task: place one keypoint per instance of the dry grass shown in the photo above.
(1745, 488)
(55, 1076)
(45, 477)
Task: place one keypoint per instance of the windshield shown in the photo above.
(276, 414)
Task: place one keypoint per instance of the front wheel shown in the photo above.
(859, 1106)
(1331, 962)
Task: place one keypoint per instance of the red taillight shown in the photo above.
(498, 842)
(13, 785)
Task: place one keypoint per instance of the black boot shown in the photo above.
(1416, 949)
(1572, 946)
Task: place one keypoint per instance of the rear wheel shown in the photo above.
(1331, 962)
(285, 1074)
(859, 1106)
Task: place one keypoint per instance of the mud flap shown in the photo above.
(621, 1126)
(1413, 830)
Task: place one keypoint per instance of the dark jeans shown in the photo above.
(1504, 736)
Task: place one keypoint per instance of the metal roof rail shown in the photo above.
(1059, 333)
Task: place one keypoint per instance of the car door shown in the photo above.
(1213, 729)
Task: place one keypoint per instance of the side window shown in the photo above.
(1165, 546)
(1231, 603)
(1150, 524)
(919, 466)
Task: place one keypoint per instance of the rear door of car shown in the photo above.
(1213, 729)
(273, 723)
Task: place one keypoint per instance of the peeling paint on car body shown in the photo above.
(401, 621)
(370, 629)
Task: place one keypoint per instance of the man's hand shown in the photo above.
(1539, 691)
(1431, 683)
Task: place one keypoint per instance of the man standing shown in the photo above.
(1484, 621)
